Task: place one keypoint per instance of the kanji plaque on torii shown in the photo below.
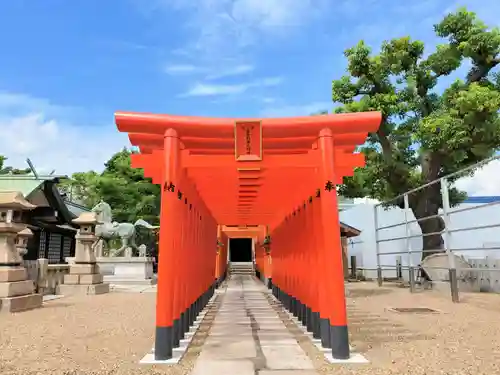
(248, 140)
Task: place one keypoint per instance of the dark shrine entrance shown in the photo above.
(240, 250)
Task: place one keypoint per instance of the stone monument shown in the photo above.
(84, 276)
(107, 229)
(121, 266)
(16, 291)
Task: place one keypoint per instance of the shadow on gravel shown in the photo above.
(357, 293)
(47, 305)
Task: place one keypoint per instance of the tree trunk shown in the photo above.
(426, 203)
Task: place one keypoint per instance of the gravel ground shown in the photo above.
(104, 334)
(460, 339)
(109, 334)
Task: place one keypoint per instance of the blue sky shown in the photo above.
(66, 66)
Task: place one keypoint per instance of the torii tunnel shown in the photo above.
(277, 173)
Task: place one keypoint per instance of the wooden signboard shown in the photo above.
(248, 140)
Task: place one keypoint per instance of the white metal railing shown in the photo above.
(459, 271)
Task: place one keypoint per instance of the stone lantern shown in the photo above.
(22, 242)
(85, 238)
(84, 276)
(16, 291)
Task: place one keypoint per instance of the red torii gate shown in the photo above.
(276, 172)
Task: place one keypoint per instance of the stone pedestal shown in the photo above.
(84, 276)
(16, 291)
(127, 271)
(83, 279)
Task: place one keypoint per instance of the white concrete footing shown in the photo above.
(178, 353)
(149, 359)
(354, 357)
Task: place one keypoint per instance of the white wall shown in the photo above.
(362, 217)
(479, 239)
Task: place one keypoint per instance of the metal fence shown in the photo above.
(454, 247)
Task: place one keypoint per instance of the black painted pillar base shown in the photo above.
(339, 338)
(192, 313)
(270, 283)
(304, 314)
(164, 343)
(300, 310)
(309, 320)
(176, 334)
(316, 325)
(324, 328)
(195, 309)
(183, 329)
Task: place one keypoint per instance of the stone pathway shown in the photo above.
(248, 338)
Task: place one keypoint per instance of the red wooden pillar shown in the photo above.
(301, 271)
(166, 268)
(225, 240)
(307, 265)
(332, 250)
(288, 270)
(178, 261)
(218, 256)
(277, 242)
(188, 269)
(285, 253)
(314, 264)
(294, 261)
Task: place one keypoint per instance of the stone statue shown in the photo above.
(107, 229)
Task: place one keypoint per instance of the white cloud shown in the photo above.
(30, 130)
(232, 71)
(296, 110)
(485, 182)
(274, 13)
(206, 89)
(211, 74)
(269, 100)
(14, 103)
(182, 69)
(220, 28)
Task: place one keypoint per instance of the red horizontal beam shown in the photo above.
(192, 126)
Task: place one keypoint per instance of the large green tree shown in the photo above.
(427, 131)
(129, 193)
